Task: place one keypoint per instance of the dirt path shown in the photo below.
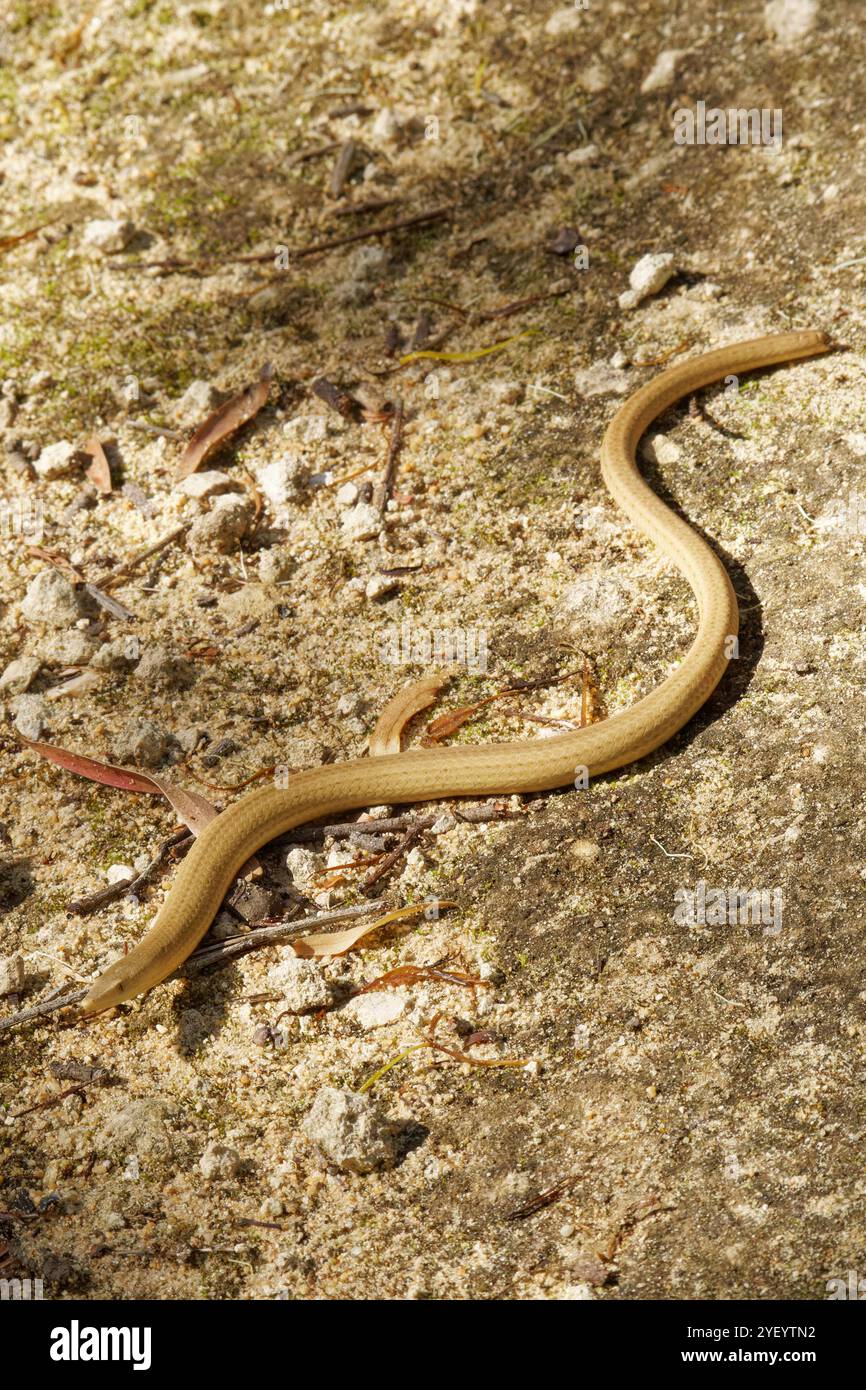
(690, 1118)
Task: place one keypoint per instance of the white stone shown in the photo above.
(70, 648)
(219, 1161)
(205, 484)
(789, 21)
(119, 873)
(221, 528)
(350, 1131)
(584, 154)
(31, 715)
(595, 78)
(19, 674)
(663, 71)
(377, 1009)
(660, 449)
(107, 234)
(648, 276)
(283, 480)
(380, 585)
(303, 865)
(302, 984)
(564, 21)
(601, 380)
(196, 403)
(55, 460)
(11, 974)
(385, 127)
(274, 565)
(51, 599)
(362, 523)
(347, 495)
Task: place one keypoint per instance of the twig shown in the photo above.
(544, 1199)
(414, 833)
(155, 429)
(90, 903)
(343, 167)
(392, 824)
(211, 955)
(342, 401)
(506, 310)
(112, 576)
(301, 156)
(375, 205)
(301, 252)
(48, 1006)
(110, 604)
(396, 226)
(385, 486)
(265, 936)
(53, 1100)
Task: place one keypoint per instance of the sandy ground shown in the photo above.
(691, 1109)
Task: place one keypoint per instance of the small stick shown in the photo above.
(155, 429)
(385, 486)
(395, 226)
(375, 205)
(53, 1100)
(82, 906)
(299, 253)
(301, 156)
(210, 955)
(342, 401)
(392, 824)
(506, 310)
(48, 1006)
(265, 936)
(112, 576)
(413, 834)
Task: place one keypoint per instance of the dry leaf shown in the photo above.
(223, 422)
(320, 945)
(79, 685)
(385, 738)
(448, 724)
(99, 472)
(193, 810)
(58, 561)
(7, 241)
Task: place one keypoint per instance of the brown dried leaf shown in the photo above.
(7, 241)
(223, 422)
(448, 724)
(193, 810)
(99, 472)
